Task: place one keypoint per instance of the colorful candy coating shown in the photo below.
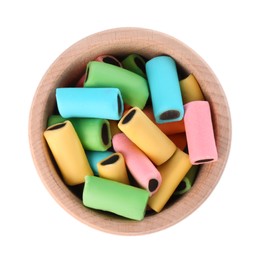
(168, 128)
(172, 172)
(115, 197)
(94, 133)
(147, 136)
(134, 88)
(199, 132)
(103, 103)
(135, 63)
(190, 89)
(165, 89)
(68, 152)
(188, 181)
(113, 168)
(139, 165)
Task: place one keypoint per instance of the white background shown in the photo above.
(227, 34)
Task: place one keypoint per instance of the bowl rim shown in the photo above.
(120, 41)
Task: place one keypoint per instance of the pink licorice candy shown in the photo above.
(139, 165)
(199, 132)
(109, 59)
(80, 83)
(102, 58)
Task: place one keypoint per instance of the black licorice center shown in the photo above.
(204, 160)
(111, 160)
(140, 64)
(111, 61)
(152, 185)
(87, 74)
(170, 114)
(55, 127)
(104, 134)
(119, 105)
(128, 117)
(181, 186)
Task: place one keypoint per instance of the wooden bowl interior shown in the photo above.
(70, 66)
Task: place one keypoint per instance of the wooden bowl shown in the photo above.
(70, 66)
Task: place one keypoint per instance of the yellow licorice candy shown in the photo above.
(113, 168)
(147, 136)
(172, 172)
(190, 89)
(68, 152)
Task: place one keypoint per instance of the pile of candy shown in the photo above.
(132, 133)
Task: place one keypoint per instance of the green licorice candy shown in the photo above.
(135, 63)
(55, 119)
(115, 197)
(188, 181)
(94, 133)
(133, 88)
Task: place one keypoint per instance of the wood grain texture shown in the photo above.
(70, 66)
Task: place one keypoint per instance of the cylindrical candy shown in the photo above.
(94, 133)
(139, 165)
(115, 197)
(134, 88)
(165, 89)
(188, 181)
(94, 157)
(172, 172)
(103, 103)
(190, 89)
(179, 140)
(147, 136)
(68, 152)
(113, 168)
(135, 63)
(168, 128)
(109, 59)
(199, 132)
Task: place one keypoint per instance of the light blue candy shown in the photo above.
(165, 89)
(103, 103)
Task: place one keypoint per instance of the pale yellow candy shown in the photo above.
(147, 136)
(68, 152)
(190, 89)
(113, 168)
(172, 172)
